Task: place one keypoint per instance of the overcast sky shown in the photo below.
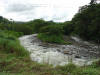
(25, 10)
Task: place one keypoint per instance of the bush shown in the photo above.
(68, 28)
(52, 30)
(51, 38)
(25, 29)
(13, 33)
(38, 24)
(52, 34)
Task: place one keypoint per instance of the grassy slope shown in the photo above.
(11, 65)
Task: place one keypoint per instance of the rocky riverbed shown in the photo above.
(80, 52)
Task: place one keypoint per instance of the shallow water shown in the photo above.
(54, 55)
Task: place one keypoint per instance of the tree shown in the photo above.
(68, 27)
(37, 24)
(1, 18)
(87, 22)
(93, 1)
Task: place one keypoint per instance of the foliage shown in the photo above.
(13, 60)
(93, 2)
(67, 68)
(68, 27)
(51, 33)
(10, 44)
(86, 22)
(13, 33)
(25, 29)
(10, 65)
(52, 30)
(37, 24)
(51, 38)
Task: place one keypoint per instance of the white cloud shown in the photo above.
(25, 10)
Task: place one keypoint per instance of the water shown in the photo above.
(55, 55)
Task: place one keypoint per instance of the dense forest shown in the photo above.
(85, 24)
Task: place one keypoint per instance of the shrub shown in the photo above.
(25, 29)
(68, 28)
(52, 30)
(38, 24)
(13, 33)
(51, 33)
(51, 38)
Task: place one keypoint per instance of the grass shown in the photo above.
(20, 65)
(52, 38)
(15, 60)
(11, 65)
(10, 44)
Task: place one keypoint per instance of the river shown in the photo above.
(56, 54)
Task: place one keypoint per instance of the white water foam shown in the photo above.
(50, 55)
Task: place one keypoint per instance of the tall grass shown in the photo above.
(86, 71)
(10, 44)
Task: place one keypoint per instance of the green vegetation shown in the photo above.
(51, 33)
(51, 38)
(10, 44)
(68, 28)
(11, 65)
(14, 59)
(52, 30)
(37, 24)
(86, 22)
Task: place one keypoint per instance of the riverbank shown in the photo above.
(10, 65)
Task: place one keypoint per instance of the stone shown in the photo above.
(39, 45)
(63, 47)
(58, 50)
(77, 56)
(45, 48)
(66, 52)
